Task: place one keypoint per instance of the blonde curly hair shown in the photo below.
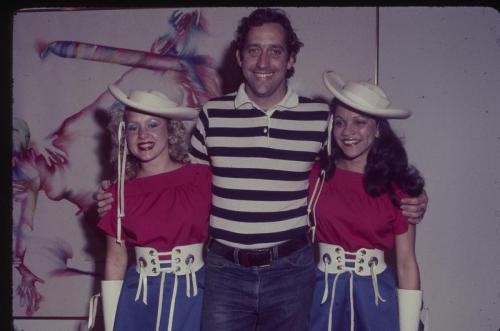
(178, 146)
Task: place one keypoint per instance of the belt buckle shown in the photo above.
(269, 260)
(253, 259)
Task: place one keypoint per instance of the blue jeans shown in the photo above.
(276, 297)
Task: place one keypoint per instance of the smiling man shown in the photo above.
(261, 143)
(265, 60)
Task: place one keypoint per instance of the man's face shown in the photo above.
(264, 62)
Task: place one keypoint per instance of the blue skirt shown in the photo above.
(134, 315)
(367, 315)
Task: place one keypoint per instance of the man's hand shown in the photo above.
(414, 208)
(104, 199)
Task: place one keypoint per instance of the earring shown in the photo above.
(172, 140)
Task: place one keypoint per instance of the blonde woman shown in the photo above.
(160, 209)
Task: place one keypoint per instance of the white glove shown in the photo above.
(110, 292)
(409, 303)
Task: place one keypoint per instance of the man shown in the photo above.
(261, 143)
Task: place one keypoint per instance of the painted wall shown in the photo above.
(444, 63)
(440, 62)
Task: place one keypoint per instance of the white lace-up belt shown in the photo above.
(334, 259)
(363, 262)
(181, 261)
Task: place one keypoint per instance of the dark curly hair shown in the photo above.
(268, 15)
(387, 164)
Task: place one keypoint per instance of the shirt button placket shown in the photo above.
(267, 128)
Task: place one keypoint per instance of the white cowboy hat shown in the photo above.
(153, 102)
(363, 96)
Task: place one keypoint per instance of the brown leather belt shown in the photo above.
(261, 257)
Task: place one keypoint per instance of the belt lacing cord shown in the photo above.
(94, 300)
(143, 284)
(311, 207)
(143, 287)
(174, 293)
(188, 286)
(122, 161)
(376, 291)
(172, 303)
(351, 299)
(193, 280)
(327, 262)
(143, 281)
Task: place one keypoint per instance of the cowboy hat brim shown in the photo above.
(175, 113)
(335, 85)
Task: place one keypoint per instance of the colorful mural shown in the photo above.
(53, 166)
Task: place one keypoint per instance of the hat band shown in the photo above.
(151, 99)
(364, 96)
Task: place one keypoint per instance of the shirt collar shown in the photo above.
(290, 100)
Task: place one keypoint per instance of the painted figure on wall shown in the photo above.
(52, 165)
(26, 185)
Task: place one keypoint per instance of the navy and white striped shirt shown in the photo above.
(260, 162)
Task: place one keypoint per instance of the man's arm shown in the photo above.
(414, 208)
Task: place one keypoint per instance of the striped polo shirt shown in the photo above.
(260, 162)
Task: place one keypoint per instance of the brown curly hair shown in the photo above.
(178, 145)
